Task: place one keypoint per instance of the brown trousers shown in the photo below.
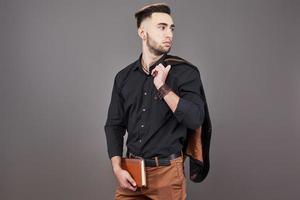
(163, 183)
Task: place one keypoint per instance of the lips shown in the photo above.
(167, 43)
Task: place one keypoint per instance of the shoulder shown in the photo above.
(181, 65)
(123, 74)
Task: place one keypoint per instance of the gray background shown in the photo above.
(58, 60)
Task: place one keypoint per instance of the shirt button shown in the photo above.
(142, 125)
(140, 140)
(144, 109)
(145, 93)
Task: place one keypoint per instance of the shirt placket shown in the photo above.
(144, 109)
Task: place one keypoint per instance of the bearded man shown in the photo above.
(157, 104)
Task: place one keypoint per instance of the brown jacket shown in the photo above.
(198, 143)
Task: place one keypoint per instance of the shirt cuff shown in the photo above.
(112, 154)
(180, 109)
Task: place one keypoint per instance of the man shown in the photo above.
(157, 104)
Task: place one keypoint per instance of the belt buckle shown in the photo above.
(134, 156)
(156, 161)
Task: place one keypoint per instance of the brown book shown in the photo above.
(136, 168)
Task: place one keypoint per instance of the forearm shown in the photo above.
(189, 107)
(115, 139)
(116, 163)
(190, 113)
(172, 100)
(185, 111)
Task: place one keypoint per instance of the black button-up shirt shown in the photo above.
(153, 129)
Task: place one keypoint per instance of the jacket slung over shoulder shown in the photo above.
(198, 141)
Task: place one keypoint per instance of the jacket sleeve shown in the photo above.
(190, 108)
(115, 127)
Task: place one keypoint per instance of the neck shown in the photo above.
(149, 58)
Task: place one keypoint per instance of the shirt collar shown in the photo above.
(138, 63)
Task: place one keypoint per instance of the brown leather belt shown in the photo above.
(157, 161)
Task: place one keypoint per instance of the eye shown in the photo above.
(162, 27)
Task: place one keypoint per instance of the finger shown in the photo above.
(125, 184)
(168, 68)
(130, 187)
(154, 72)
(158, 69)
(161, 67)
(165, 69)
(131, 181)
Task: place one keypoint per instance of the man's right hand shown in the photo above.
(124, 178)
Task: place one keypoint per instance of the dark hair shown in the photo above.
(147, 11)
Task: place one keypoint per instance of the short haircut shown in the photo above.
(147, 11)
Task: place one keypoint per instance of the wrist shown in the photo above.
(163, 91)
(116, 169)
(116, 163)
(158, 85)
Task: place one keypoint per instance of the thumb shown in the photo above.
(168, 68)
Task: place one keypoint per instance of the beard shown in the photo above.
(155, 48)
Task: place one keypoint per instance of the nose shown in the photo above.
(169, 33)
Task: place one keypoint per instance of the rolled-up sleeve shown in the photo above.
(190, 108)
(115, 127)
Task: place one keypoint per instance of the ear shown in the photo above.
(142, 32)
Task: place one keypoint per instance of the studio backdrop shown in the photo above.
(58, 60)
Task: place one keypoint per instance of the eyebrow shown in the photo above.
(165, 24)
